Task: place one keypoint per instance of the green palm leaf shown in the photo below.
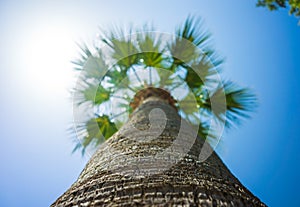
(199, 72)
(192, 31)
(185, 62)
(84, 55)
(239, 102)
(95, 67)
(123, 50)
(151, 53)
(97, 130)
(204, 132)
(189, 37)
(95, 93)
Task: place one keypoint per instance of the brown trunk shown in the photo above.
(156, 164)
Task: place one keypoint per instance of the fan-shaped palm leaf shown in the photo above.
(199, 72)
(95, 67)
(96, 131)
(95, 93)
(84, 55)
(151, 54)
(185, 62)
(188, 38)
(123, 49)
(239, 102)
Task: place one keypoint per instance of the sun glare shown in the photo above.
(49, 50)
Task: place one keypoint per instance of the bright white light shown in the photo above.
(49, 50)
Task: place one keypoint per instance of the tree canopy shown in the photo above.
(121, 63)
(294, 5)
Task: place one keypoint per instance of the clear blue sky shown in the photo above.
(262, 51)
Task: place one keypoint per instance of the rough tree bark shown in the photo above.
(155, 164)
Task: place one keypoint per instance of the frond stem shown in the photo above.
(150, 76)
(119, 114)
(136, 75)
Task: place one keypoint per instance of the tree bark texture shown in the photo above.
(153, 160)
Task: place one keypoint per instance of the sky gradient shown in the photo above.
(262, 51)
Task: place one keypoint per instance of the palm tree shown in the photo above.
(158, 110)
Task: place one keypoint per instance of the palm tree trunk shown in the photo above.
(154, 160)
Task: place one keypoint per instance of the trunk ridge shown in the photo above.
(153, 160)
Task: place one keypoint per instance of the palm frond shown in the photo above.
(204, 131)
(238, 103)
(150, 49)
(192, 31)
(124, 51)
(189, 38)
(185, 65)
(96, 130)
(95, 67)
(199, 72)
(84, 54)
(95, 93)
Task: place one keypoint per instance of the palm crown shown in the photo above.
(183, 64)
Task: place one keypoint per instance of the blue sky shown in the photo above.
(262, 51)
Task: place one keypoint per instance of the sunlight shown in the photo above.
(49, 50)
